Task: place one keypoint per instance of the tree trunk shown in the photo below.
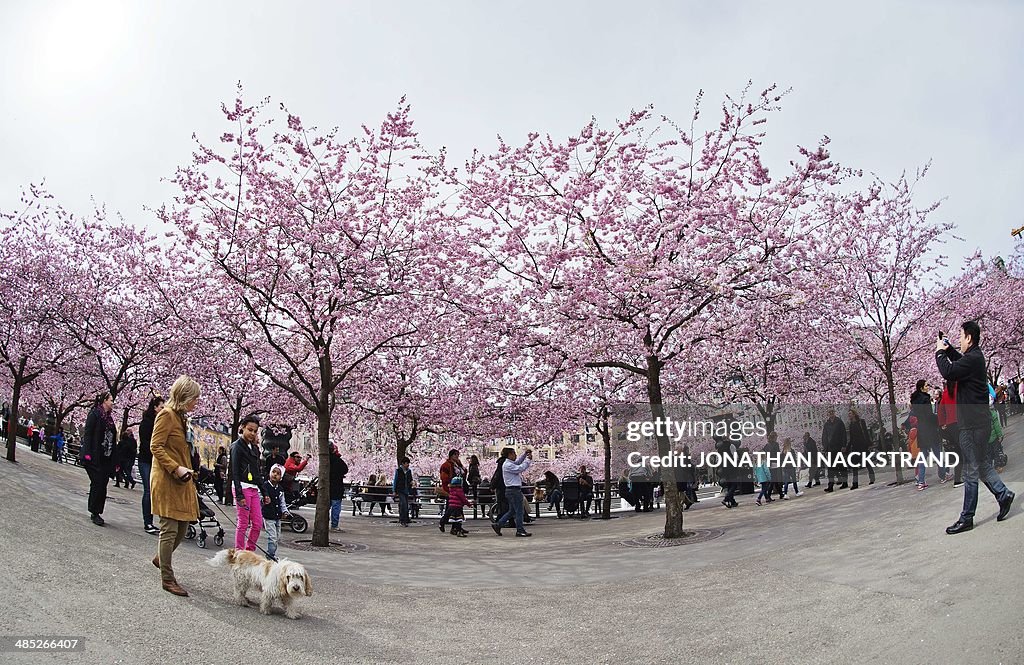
(606, 435)
(892, 419)
(12, 422)
(321, 520)
(124, 420)
(673, 506)
(401, 448)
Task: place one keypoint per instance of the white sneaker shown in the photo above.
(799, 493)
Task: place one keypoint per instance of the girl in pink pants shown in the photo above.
(250, 518)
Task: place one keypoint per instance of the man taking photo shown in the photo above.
(967, 368)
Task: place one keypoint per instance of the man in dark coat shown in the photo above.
(860, 442)
(813, 472)
(967, 368)
(338, 471)
(833, 441)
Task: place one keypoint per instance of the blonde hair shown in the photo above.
(184, 390)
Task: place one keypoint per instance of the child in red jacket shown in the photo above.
(456, 501)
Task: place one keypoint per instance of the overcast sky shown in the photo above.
(101, 98)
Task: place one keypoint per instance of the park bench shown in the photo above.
(71, 450)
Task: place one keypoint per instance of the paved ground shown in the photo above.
(865, 576)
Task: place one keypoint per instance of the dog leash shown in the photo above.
(232, 521)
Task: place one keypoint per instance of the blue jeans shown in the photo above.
(147, 512)
(922, 470)
(514, 498)
(335, 512)
(273, 529)
(978, 466)
(403, 508)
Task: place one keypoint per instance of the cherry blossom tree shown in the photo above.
(890, 247)
(130, 341)
(648, 230)
(35, 296)
(320, 249)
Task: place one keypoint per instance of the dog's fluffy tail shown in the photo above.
(223, 558)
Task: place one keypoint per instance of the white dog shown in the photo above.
(283, 580)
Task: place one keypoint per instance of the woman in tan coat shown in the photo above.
(172, 492)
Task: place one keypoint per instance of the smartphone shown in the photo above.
(942, 336)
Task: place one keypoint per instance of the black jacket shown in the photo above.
(860, 441)
(473, 475)
(145, 436)
(833, 435)
(245, 466)
(272, 510)
(94, 439)
(338, 471)
(968, 370)
(810, 446)
(126, 451)
(927, 421)
(498, 479)
(403, 481)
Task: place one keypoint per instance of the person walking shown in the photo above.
(220, 472)
(860, 443)
(774, 469)
(58, 445)
(921, 406)
(948, 428)
(789, 469)
(173, 491)
(512, 472)
(97, 453)
(473, 478)
(146, 460)
(813, 471)
(498, 486)
(403, 489)
(127, 449)
(728, 472)
(833, 441)
(968, 369)
(247, 476)
(456, 502)
(337, 471)
(274, 510)
(451, 467)
(763, 476)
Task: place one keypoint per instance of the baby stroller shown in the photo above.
(207, 518)
(571, 494)
(305, 495)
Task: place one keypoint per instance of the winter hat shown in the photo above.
(279, 468)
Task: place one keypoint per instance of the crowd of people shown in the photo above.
(965, 415)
